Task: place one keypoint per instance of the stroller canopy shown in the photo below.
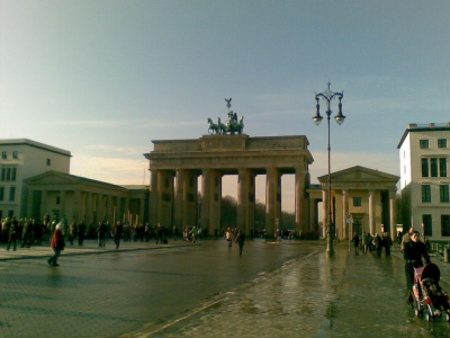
(429, 271)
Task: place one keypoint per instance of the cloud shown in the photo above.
(118, 171)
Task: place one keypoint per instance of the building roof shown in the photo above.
(414, 127)
(31, 143)
(72, 178)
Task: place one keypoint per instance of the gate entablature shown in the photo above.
(225, 152)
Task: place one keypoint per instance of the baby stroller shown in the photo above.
(430, 300)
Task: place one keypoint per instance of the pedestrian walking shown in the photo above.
(406, 238)
(193, 234)
(101, 233)
(240, 240)
(57, 244)
(13, 234)
(378, 244)
(81, 232)
(355, 241)
(229, 237)
(366, 238)
(27, 233)
(387, 243)
(118, 230)
(413, 251)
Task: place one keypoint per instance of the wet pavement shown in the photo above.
(301, 293)
(312, 296)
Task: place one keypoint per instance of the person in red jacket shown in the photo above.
(57, 245)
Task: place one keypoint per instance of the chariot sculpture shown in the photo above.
(232, 126)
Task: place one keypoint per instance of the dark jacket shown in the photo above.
(414, 251)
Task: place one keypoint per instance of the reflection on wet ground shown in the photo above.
(313, 296)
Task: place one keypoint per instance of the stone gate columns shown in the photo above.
(246, 200)
(301, 216)
(211, 197)
(372, 228)
(165, 197)
(273, 200)
(180, 197)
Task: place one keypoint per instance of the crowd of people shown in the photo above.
(368, 243)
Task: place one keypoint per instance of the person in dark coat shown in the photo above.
(118, 230)
(81, 232)
(378, 244)
(387, 243)
(101, 233)
(240, 240)
(413, 251)
(57, 245)
(13, 234)
(355, 240)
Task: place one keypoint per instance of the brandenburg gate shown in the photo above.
(176, 165)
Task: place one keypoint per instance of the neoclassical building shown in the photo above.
(362, 199)
(79, 199)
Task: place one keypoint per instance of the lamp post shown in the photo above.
(328, 96)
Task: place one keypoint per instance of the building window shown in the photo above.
(15, 154)
(425, 171)
(443, 193)
(442, 167)
(426, 194)
(442, 143)
(445, 225)
(12, 194)
(58, 200)
(49, 162)
(2, 193)
(424, 144)
(427, 222)
(13, 174)
(4, 155)
(434, 167)
(357, 201)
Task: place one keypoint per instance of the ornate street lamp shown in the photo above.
(328, 96)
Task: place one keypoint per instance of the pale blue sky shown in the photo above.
(104, 78)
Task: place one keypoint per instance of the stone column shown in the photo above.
(211, 198)
(372, 224)
(245, 200)
(165, 202)
(206, 196)
(273, 201)
(77, 206)
(89, 212)
(392, 213)
(301, 207)
(345, 213)
(153, 200)
(180, 196)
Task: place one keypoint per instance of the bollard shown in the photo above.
(446, 255)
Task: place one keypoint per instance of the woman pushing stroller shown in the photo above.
(413, 251)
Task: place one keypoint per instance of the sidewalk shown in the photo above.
(89, 247)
